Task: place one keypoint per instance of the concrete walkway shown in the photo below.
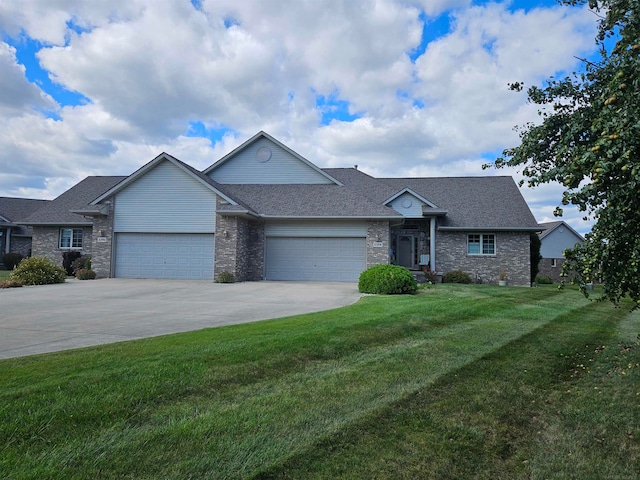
(77, 314)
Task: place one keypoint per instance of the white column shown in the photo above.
(432, 244)
(8, 241)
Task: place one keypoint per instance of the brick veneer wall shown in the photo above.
(552, 272)
(21, 245)
(512, 255)
(46, 240)
(377, 232)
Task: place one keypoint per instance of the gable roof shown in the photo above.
(13, 209)
(551, 226)
(265, 135)
(308, 201)
(199, 176)
(470, 203)
(58, 210)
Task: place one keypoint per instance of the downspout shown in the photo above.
(432, 244)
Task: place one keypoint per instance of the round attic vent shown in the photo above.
(263, 154)
(406, 203)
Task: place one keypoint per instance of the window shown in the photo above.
(554, 263)
(481, 244)
(70, 238)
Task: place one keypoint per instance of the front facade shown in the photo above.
(555, 238)
(263, 212)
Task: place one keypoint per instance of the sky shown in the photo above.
(398, 87)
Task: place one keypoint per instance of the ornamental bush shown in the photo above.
(387, 279)
(544, 280)
(38, 271)
(226, 277)
(456, 276)
(85, 274)
(11, 259)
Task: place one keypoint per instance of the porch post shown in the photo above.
(432, 244)
(8, 241)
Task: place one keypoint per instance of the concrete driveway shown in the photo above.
(77, 314)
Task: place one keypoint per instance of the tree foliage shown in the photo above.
(589, 141)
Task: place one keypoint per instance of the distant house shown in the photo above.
(554, 240)
(264, 212)
(16, 238)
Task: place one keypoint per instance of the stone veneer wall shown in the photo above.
(240, 250)
(512, 255)
(377, 232)
(102, 255)
(21, 245)
(552, 272)
(46, 241)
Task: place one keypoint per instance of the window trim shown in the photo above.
(76, 242)
(483, 240)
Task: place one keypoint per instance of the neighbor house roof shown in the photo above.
(58, 211)
(551, 226)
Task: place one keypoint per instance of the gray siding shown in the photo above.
(282, 167)
(557, 242)
(167, 200)
(407, 205)
(316, 228)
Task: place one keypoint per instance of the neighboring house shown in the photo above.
(16, 238)
(554, 240)
(265, 212)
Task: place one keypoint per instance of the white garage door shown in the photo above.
(164, 255)
(315, 259)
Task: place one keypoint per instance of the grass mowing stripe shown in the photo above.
(239, 431)
(483, 421)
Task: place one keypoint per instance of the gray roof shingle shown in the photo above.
(14, 209)
(57, 212)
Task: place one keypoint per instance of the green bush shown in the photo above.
(38, 271)
(10, 260)
(85, 274)
(226, 277)
(456, 276)
(387, 279)
(544, 280)
(82, 262)
(68, 258)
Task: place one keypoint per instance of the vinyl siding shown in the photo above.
(166, 199)
(414, 210)
(315, 228)
(557, 242)
(281, 168)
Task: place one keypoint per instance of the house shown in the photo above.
(554, 240)
(16, 238)
(265, 212)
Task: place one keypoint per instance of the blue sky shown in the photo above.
(399, 87)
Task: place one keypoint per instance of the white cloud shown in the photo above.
(149, 68)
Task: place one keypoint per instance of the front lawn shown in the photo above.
(4, 274)
(457, 382)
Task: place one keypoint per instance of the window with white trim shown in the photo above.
(70, 238)
(554, 263)
(481, 244)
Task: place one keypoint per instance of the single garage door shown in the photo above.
(315, 259)
(164, 255)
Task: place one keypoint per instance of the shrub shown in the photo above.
(387, 279)
(10, 284)
(67, 260)
(82, 262)
(10, 260)
(456, 276)
(85, 274)
(544, 280)
(226, 277)
(38, 271)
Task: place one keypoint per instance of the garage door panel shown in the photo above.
(315, 259)
(155, 255)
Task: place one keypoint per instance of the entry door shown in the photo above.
(406, 251)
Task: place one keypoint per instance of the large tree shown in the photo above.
(589, 141)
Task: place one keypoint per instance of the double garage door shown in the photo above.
(315, 259)
(164, 255)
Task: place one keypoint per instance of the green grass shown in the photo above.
(4, 274)
(457, 382)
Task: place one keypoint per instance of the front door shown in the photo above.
(406, 251)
